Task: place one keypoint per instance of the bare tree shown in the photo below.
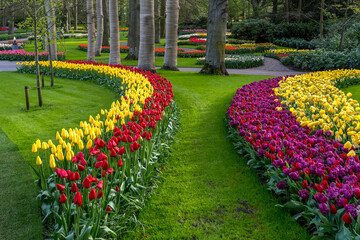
(147, 36)
(114, 32)
(172, 19)
(100, 27)
(216, 34)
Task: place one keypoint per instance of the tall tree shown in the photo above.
(157, 21)
(51, 23)
(298, 16)
(172, 19)
(321, 22)
(162, 18)
(99, 26)
(106, 33)
(134, 30)
(12, 18)
(147, 36)
(76, 14)
(275, 9)
(91, 30)
(216, 37)
(114, 32)
(287, 14)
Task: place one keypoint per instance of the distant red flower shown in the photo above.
(346, 218)
(60, 187)
(74, 187)
(63, 198)
(78, 199)
(92, 194)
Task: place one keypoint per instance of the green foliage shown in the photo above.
(297, 43)
(252, 29)
(325, 60)
(11, 37)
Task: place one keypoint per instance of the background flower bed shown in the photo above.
(22, 55)
(122, 149)
(316, 177)
(242, 61)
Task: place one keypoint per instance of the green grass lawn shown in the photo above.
(208, 191)
(65, 105)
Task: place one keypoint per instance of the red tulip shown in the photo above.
(87, 182)
(92, 194)
(117, 188)
(81, 168)
(99, 164)
(99, 195)
(101, 157)
(120, 163)
(60, 187)
(113, 153)
(357, 193)
(148, 137)
(74, 187)
(78, 199)
(100, 185)
(93, 151)
(77, 176)
(121, 150)
(110, 171)
(108, 209)
(305, 184)
(83, 162)
(103, 173)
(333, 209)
(63, 198)
(105, 165)
(346, 218)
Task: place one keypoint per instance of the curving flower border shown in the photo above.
(317, 176)
(99, 175)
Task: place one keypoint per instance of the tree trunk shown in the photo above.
(114, 32)
(66, 13)
(157, 21)
(51, 22)
(321, 22)
(100, 27)
(298, 17)
(255, 6)
(343, 25)
(147, 36)
(12, 19)
(76, 14)
(216, 34)
(162, 18)
(91, 30)
(172, 19)
(287, 14)
(274, 11)
(106, 32)
(134, 30)
(37, 57)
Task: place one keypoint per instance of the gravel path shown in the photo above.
(271, 67)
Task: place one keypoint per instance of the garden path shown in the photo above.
(209, 192)
(271, 67)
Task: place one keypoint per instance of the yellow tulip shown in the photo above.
(347, 145)
(52, 161)
(38, 161)
(34, 148)
(89, 144)
(38, 144)
(60, 155)
(351, 153)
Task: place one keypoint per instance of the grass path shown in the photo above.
(65, 105)
(209, 192)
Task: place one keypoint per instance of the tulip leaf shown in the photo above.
(344, 234)
(108, 231)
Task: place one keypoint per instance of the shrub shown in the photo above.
(297, 43)
(244, 61)
(252, 29)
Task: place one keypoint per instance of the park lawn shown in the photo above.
(65, 105)
(208, 191)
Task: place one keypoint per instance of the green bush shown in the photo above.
(11, 37)
(252, 29)
(325, 60)
(297, 43)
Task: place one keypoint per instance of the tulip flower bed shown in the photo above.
(317, 102)
(98, 175)
(315, 176)
(244, 48)
(104, 49)
(8, 45)
(238, 62)
(192, 54)
(22, 55)
(282, 53)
